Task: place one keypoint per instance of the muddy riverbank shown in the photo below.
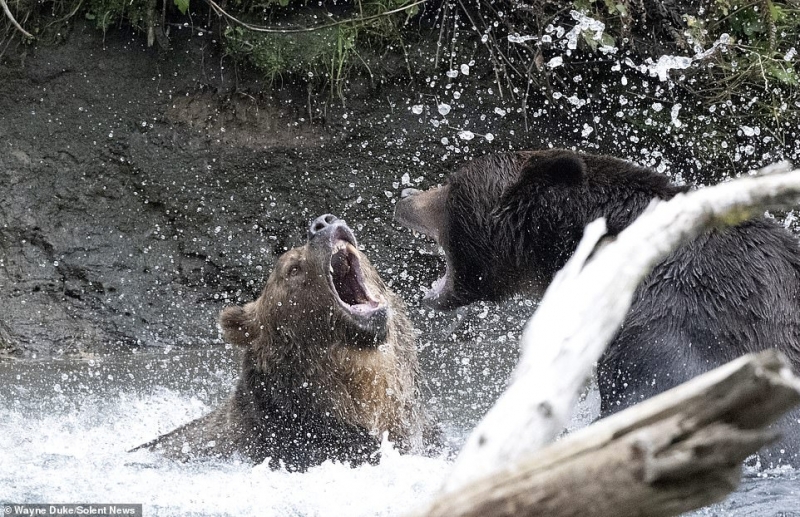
(141, 190)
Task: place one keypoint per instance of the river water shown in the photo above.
(66, 424)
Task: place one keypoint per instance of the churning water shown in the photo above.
(66, 424)
(65, 427)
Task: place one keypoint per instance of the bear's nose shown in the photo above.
(320, 223)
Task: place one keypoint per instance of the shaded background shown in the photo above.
(155, 158)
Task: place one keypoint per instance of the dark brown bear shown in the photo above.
(328, 365)
(509, 222)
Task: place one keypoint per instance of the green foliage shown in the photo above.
(759, 56)
(325, 44)
(279, 55)
(182, 5)
(106, 13)
(324, 54)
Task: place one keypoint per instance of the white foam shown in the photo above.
(79, 455)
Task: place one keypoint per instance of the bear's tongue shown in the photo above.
(346, 274)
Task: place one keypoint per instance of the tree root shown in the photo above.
(13, 20)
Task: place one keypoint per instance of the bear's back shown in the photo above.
(726, 293)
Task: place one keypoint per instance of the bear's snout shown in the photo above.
(320, 224)
(327, 229)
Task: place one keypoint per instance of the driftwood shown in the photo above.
(677, 451)
(669, 454)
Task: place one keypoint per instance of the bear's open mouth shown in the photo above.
(440, 293)
(440, 286)
(347, 280)
(425, 212)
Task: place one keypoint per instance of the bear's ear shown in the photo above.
(559, 168)
(239, 324)
(550, 168)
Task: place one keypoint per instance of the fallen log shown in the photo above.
(678, 451)
(674, 452)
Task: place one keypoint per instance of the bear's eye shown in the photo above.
(294, 270)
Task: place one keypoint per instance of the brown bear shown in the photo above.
(508, 222)
(328, 366)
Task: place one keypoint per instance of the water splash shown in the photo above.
(72, 448)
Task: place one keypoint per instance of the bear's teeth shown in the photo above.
(338, 246)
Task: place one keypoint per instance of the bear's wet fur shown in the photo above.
(328, 366)
(509, 222)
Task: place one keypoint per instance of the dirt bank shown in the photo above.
(142, 190)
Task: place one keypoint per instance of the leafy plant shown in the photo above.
(107, 13)
(321, 54)
(182, 5)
